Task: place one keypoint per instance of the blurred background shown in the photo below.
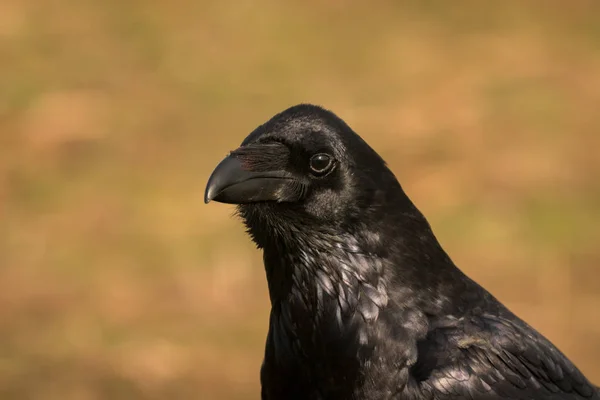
(117, 282)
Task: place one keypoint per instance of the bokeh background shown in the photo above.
(117, 282)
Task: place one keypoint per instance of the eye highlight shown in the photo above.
(321, 163)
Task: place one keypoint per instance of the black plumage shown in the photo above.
(365, 302)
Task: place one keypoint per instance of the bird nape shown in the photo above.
(365, 303)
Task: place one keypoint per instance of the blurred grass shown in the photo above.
(117, 282)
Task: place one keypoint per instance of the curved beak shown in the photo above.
(234, 182)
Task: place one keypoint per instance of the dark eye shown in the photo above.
(321, 163)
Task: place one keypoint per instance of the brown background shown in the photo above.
(117, 282)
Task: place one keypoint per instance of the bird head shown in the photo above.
(317, 198)
(306, 165)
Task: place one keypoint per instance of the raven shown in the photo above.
(365, 303)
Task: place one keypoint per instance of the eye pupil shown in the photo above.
(320, 163)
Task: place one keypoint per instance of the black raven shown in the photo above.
(365, 303)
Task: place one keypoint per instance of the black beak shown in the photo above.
(235, 183)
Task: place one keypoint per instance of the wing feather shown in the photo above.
(499, 358)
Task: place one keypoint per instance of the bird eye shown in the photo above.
(321, 163)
